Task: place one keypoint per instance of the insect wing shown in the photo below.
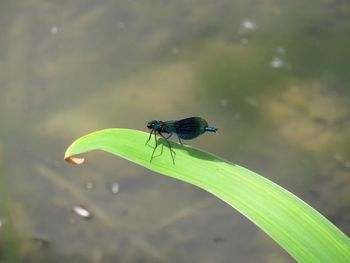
(169, 127)
(190, 128)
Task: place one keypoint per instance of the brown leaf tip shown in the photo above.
(74, 160)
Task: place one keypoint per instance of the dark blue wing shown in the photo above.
(190, 128)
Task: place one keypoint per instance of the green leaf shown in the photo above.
(303, 232)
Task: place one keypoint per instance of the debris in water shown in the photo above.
(41, 239)
(244, 41)
(54, 30)
(115, 188)
(174, 50)
(89, 185)
(338, 156)
(82, 212)
(252, 101)
(121, 25)
(277, 62)
(248, 25)
(281, 50)
(224, 102)
(236, 116)
(218, 239)
(3, 221)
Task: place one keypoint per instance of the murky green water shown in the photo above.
(272, 76)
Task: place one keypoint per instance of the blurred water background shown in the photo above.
(273, 76)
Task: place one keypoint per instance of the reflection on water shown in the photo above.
(272, 76)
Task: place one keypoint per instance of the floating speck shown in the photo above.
(115, 188)
(252, 101)
(82, 212)
(54, 30)
(277, 62)
(224, 102)
(218, 239)
(3, 221)
(174, 50)
(121, 25)
(338, 156)
(246, 27)
(41, 239)
(89, 185)
(249, 25)
(244, 41)
(281, 51)
(236, 116)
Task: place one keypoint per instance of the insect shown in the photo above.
(185, 129)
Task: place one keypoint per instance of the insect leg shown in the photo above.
(172, 152)
(155, 138)
(156, 144)
(150, 135)
(155, 147)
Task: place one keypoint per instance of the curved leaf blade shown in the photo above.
(303, 232)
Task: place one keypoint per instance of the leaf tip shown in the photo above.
(74, 160)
